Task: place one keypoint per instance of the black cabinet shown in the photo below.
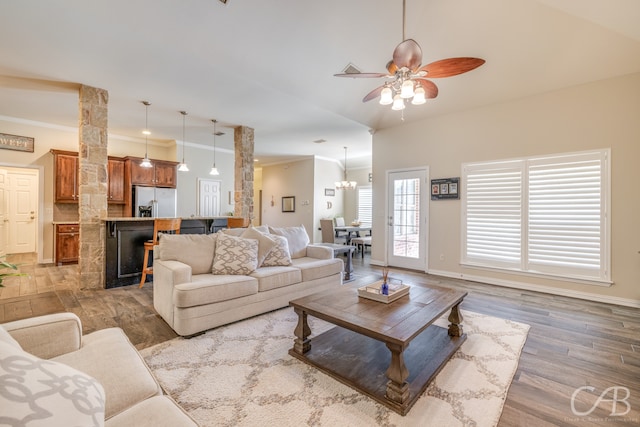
(124, 253)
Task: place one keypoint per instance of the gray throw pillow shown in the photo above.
(235, 255)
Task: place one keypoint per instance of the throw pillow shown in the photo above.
(279, 255)
(235, 255)
(232, 231)
(265, 243)
(38, 392)
(264, 229)
(297, 238)
(195, 250)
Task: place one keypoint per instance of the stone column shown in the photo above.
(243, 179)
(92, 186)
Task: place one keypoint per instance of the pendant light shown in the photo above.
(146, 163)
(344, 184)
(214, 169)
(183, 166)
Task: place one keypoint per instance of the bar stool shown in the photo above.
(160, 225)
(237, 222)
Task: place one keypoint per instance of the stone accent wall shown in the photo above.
(243, 179)
(92, 205)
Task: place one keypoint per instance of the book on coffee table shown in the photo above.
(374, 291)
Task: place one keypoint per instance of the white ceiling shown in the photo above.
(269, 65)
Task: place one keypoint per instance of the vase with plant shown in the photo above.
(384, 289)
(4, 265)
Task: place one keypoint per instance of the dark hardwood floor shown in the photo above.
(572, 344)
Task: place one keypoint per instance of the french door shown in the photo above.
(407, 219)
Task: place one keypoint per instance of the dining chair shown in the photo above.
(160, 225)
(329, 232)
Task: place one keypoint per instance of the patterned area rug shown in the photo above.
(242, 375)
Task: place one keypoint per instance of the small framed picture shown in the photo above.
(445, 188)
(329, 191)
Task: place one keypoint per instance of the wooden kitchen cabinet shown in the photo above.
(115, 180)
(165, 174)
(67, 237)
(162, 174)
(66, 176)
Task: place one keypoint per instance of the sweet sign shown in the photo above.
(15, 142)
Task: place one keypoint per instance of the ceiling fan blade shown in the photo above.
(361, 75)
(391, 68)
(451, 67)
(407, 54)
(430, 88)
(373, 94)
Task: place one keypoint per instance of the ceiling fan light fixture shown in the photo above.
(398, 103)
(406, 91)
(386, 96)
(419, 96)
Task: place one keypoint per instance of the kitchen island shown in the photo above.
(125, 237)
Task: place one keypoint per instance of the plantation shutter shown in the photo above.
(493, 208)
(365, 205)
(566, 215)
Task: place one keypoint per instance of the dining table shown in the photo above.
(352, 231)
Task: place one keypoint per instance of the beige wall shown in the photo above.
(598, 115)
(289, 179)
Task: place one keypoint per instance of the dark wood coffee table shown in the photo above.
(390, 352)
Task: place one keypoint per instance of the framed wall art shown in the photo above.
(445, 188)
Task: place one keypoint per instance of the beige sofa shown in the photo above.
(204, 281)
(51, 375)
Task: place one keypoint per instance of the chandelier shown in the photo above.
(344, 184)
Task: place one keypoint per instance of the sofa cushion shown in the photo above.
(6, 337)
(39, 392)
(108, 356)
(276, 277)
(211, 288)
(265, 243)
(235, 255)
(313, 268)
(279, 254)
(297, 238)
(195, 250)
(264, 229)
(237, 232)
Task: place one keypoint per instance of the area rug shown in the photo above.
(242, 375)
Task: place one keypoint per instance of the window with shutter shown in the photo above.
(546, 215)
(365, 205)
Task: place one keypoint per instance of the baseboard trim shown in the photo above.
(539, 288)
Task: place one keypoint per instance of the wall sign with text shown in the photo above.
(445, 188)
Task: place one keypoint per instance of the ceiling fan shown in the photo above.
(408, 79)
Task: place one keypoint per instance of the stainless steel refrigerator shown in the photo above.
(155, 202)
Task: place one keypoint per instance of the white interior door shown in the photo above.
(208, 197)
(22, 194)
(407, 219)
(3, 213)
